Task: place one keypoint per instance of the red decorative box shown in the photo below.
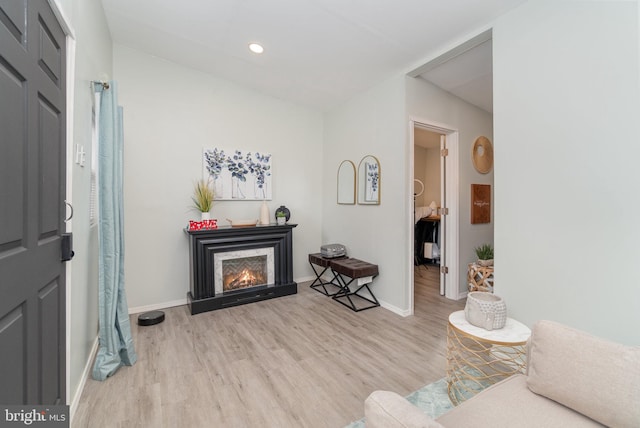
(202, 225)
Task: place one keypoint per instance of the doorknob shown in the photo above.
(71, 214)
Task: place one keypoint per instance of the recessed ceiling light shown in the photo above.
(256, 48)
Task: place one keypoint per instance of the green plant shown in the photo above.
(280, 214)
(484, 252)
(202, 196)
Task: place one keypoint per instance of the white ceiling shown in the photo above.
(318, 53)
(469, 75)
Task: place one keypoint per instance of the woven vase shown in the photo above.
(485, 310)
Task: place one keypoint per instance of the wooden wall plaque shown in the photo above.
(480, 203)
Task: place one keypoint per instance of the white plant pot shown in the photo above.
(205, 216)
(281, 220)
(485, 310)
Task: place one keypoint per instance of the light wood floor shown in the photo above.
(296, 361)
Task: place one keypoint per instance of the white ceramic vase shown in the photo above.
(264, 213)
(205, 215)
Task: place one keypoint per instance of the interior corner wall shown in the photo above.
(171, 113)
(431, 169)
(93, 61)
(566, 109)
(428, 102)
(420, 172)
(372, 123)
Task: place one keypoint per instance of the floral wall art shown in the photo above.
(237, 174)
(371, 186)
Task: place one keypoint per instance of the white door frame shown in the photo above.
(70, 82)
(451, 233)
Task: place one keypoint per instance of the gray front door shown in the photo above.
(32, 192)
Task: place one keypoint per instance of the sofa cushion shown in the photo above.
(509, 404)
(597, 378)
(385, 409)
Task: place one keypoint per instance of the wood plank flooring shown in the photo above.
(296, 361)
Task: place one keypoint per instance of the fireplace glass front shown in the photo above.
(237, 270)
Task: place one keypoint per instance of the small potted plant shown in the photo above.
(485, 255)
(203, 198)
(281, 218)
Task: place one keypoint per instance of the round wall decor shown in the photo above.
(482, 155)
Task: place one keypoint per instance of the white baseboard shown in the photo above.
(395, 309)
(83, 379)
(156, 306)
(304, 279)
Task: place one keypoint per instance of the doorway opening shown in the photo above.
(434, 225)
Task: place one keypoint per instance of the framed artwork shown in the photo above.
(369, 181)
(371, 186)
(238, 174)
(480, 203)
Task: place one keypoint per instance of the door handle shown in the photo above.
(71, 214)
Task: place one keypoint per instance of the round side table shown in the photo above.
(477, 358)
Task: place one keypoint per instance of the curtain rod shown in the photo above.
(105, 85)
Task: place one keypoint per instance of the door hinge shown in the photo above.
(444, 153)
(443, 211)
(444, 269)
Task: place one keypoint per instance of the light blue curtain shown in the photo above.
(116, 345)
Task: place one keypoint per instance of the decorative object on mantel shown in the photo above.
(285, 210)
(281, 219)
(480, 203)
(482, 155)
(485, 255)
(242, 223)
(237, 174)
(485, 310)
(264, 213)
(203, 225)
(202, 198)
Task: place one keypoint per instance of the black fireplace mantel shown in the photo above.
(204, 244)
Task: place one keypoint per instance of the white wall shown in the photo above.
(430, 103)
(170, 113)
(93, 61)
(566, 109)
(371, 124)
(430, 166)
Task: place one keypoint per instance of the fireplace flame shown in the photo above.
(246, 278)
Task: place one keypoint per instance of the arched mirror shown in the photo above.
(369, 181)
(347, 183)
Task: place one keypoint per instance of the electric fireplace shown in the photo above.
(231, 266)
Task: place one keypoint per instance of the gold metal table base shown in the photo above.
(474, 363)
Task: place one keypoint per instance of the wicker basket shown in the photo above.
(485, 310)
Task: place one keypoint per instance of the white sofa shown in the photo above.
(573, 380)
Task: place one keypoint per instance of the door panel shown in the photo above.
(12, 336)
(50, 339)
(12, 161)
(13, 18)
(50, 165)
(32, 190)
